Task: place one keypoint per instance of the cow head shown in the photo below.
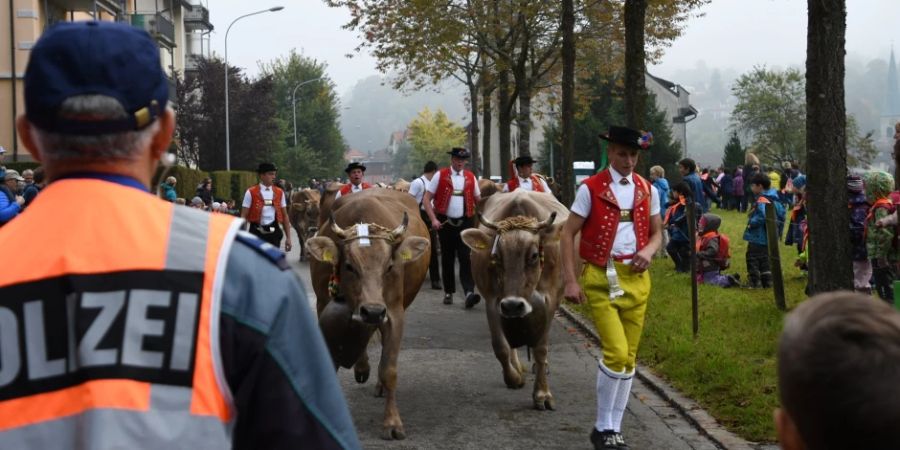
(367, 267)
(515, 247)
(311, 215)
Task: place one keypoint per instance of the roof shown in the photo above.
(670, 86)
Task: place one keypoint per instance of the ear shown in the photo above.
(411, 249)
(23, 126)
(323, 249)
(787, 432)
(162, 139)
(552, 233)
(477, 240)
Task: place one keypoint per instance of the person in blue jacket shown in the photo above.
(758, 269)
(10, 203)
(688, 169)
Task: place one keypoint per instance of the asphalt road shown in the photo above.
(451, 393)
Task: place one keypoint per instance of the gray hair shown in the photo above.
(118, 146)
(171, 180)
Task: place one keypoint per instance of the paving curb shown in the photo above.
(689, 409)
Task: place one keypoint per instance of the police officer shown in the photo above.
(136, 323)
(265, 208)
(449, 201)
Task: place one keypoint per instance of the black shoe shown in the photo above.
(620, 442)
(448, 299)
(604, 440)
(472, 299)
(436, 285)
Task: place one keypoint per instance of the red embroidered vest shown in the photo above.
(445, 191)
(347, 189)
(257, 203)
(599, 230)
(536, 184)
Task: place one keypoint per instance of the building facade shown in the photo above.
(180, 27)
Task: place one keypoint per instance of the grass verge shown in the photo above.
(729, 369)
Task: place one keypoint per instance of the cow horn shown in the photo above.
(487, 222)
(336, 228)
(397, 232)
(547, 222)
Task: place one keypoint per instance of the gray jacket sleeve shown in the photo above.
(275, 359)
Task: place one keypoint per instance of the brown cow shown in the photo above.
(326, 201)
(401, 185)
(516, 265)
(304, 215)
(364, 284)
(489, 188)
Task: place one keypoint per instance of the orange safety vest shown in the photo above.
(347, 188)
(109, 322)
(536, 184)
(254, 215)
(599, 230)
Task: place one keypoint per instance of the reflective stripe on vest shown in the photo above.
(118, 324)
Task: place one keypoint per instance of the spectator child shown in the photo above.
(688, 169)
(880, 241)
(758, 271)
(679, 247)
(798, 214)
(168, 189)
(658, 178)
(713, 253)
(859, 210)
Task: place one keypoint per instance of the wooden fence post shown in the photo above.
(772, 240)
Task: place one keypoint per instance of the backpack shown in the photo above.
(724, 255)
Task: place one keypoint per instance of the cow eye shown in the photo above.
(349, 268)
(390, 267)
(534, 256)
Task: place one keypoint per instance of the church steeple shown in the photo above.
(892, 99)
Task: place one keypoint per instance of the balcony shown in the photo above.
(192, 63)
(197, 18)
(160, 27)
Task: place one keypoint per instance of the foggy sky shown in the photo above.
(733, 34)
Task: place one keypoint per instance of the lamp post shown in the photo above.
(294, 104)
(227, 128)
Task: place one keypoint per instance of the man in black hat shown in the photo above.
(265, 207)
(355, 172)
(617, 213)
(523, 177)
(449, 201)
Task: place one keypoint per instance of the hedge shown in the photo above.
(188, 180)
(22, 165)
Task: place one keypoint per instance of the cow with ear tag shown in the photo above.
(516, 266)
(367, 264)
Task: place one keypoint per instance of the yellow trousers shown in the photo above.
(619, 322)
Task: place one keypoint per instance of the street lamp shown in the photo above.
(227, 129)
(294, 104)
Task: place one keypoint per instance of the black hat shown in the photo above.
(640, 140)
(524, 161)
(459, 152)
(354, 165)
(266, 167)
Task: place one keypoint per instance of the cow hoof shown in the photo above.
(361, 376)
(514, 383)
(393, 434)
(545, 404)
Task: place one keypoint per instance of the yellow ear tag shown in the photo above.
(327, 256)
(481, 246)
(406, 255)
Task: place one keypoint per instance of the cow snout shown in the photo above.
(514, 307)
(372, 314)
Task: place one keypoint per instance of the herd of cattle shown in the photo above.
(368, 256)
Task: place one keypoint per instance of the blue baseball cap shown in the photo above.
(95, 58)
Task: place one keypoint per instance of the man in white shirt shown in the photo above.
(449, 201)
(355, 173)
(618, 214)
(417, 189)
(525, 178)
(265, 207)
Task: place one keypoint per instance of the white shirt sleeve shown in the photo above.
(654, 201)
(416, 188)
(283, 199)
(477, 190)
(582, 203)
(247, 200)
(433, 184)
(505, 187)
(546, 186)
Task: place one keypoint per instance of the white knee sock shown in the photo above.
(622, 394)
(608, 383)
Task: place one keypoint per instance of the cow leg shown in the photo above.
(508, 358)
(391, 335)
(542, 397)
(302, 239)
(361, 368)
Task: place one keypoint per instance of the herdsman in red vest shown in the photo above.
(617, 213)
(265, 207)
(449, 201)
(355, 172)
(525, 178)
